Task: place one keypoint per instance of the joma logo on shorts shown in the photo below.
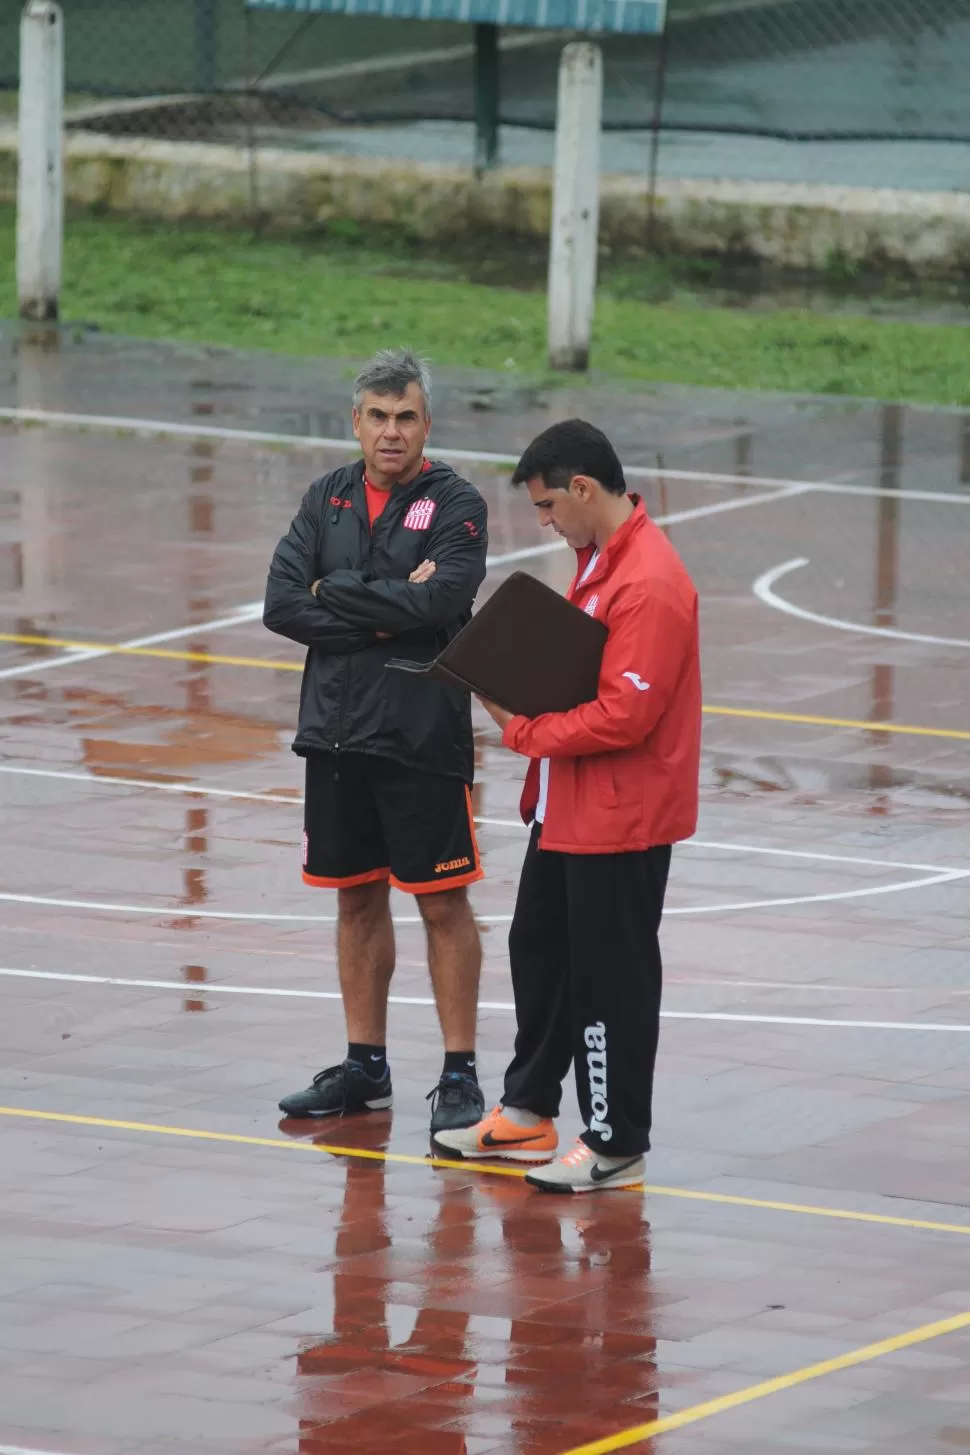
(595, 1038)
(450, 864)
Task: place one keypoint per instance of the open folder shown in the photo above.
(528, 649)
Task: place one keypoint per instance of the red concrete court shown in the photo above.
(181, 1273)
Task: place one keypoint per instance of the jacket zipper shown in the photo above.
(346, 675)
(343, 693)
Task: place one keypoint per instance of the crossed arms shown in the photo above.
(350, 609)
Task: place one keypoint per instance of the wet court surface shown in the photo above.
(180, 1271)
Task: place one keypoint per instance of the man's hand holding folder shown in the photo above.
(528, 651)
(498, 714)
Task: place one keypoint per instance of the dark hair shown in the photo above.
(570, 448)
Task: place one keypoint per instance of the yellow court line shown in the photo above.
(806, 1209)
(726, 1402)
(839, 722)
(492, 1168)
(193, 1134)
(268, 663)
(637, 1433)
(110, 649)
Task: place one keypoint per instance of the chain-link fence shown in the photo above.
(869, 91)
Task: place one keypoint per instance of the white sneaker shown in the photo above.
(583, 1170)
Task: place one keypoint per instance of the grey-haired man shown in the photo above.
(384, 559)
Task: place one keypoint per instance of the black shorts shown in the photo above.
(369, 818)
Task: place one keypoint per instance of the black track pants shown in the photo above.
(586, 974)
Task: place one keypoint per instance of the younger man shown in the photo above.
(611, 786)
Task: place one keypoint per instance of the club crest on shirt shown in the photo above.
(419, 515)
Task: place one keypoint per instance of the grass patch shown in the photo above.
(345, 295)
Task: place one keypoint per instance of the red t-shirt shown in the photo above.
(377, 498)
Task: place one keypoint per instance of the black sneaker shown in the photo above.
(340, 1090)
(458, 1101)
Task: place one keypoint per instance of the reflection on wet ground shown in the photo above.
(163, 966)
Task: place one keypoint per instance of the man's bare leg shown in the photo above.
(365, 959)
(455, 962)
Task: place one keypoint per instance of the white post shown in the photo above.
(575, 205)
(40, 192)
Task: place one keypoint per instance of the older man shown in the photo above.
(384, 559)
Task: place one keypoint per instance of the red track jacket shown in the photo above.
(624, 768)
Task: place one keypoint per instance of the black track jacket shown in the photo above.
(349, 701)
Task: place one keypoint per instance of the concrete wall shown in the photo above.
(799, 226)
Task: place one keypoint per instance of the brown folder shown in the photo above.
(528, 649)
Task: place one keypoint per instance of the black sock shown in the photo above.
(373, 1059)
(461, 1061)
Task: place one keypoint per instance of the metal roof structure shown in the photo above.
(642, 17)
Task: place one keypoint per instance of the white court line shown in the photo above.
(824, 987)
(248, 612)
(722, 507)
(187, 788)
(189, 912)
(193, 987)
(944, 878)
(763, 589)
(687, 981)
(525, 554)
(819, 487)
(506, 557)
(800, 1020)
(201, 790)
(197, 988)
(22, 1450)
(160, 428)
(177, 911)
(815, 854)
(677, 517)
